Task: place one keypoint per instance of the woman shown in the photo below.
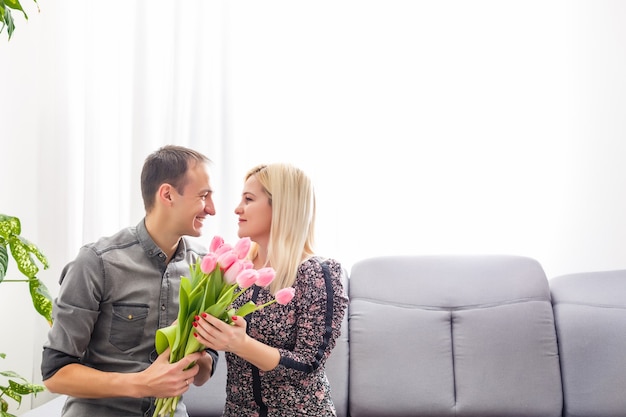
(276, 356)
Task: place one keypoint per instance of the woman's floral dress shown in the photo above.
(305, 332)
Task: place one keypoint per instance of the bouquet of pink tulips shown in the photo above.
(214, 282)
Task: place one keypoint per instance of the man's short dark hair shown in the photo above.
(169, 165)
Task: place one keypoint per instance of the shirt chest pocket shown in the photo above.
(127, 324)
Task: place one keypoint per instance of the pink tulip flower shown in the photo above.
(242, 247)
(226, 259)
(266, 276)
(208, 263)
(230, 276)
(247, 278)
(216, 242)
(226, 247)
(285, 295)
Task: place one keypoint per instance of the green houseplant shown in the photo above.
(6, 19)
(26, 256)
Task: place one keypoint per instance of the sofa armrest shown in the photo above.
(590, 316)
(51, 408)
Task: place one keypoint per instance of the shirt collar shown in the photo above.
(151, 248)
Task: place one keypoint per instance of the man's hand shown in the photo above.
(163, 379)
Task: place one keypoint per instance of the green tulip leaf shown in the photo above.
(182, 320)
(227, 296)
(245, 309)
(217, 283)
(196, 274)
(185, 285)
(199, 289)
(165, 338)
(192, 345)
(216, 310)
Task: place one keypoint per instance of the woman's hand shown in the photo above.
(216, 334)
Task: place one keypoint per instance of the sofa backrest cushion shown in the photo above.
(452, 336)
(590, 315)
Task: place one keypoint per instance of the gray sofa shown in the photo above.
(468, 336)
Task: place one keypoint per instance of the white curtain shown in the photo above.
(427, 126)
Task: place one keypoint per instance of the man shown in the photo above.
(119, 290)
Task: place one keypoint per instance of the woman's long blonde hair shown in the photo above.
(292, 198)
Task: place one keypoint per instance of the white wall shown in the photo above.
(428, 127)
(438, 127)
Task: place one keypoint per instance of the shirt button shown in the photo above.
(163, 307)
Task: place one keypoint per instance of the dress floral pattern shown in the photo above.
(305, 332)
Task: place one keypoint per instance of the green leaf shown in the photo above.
(185, 285)
(25, 389)
(7, 20)
(182, 319)
(4, 406)
(9, 226)
(11, 374)
(32, 248)
(218, 283)
(26, 254)
(196, 274)
(15, 4)
(226, 298)
(198, 282)
(25, 262)
(215, 285)
(4, 261)
(245, 309)
(12, 394)
(165, 338)
(196, 299)
(217, 310)
(192, 344)
(42, 301)
(21, 250)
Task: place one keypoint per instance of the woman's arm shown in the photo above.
(216, 334)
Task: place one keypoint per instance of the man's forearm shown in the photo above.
(82, 381)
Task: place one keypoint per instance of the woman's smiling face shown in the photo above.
(255, 212)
